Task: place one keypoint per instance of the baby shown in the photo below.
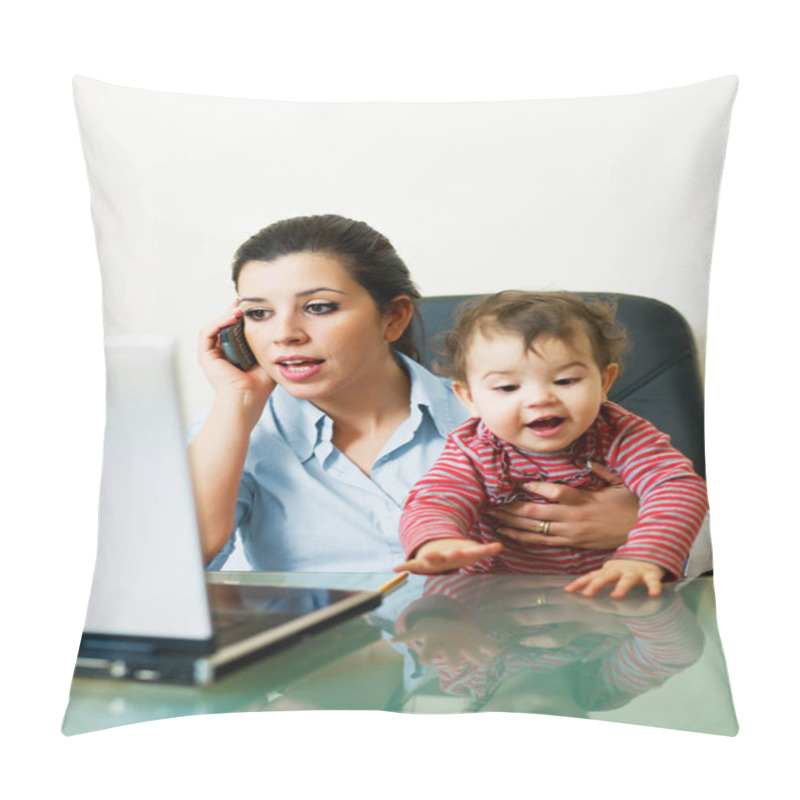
(534, 369)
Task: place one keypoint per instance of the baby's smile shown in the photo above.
(546, 426)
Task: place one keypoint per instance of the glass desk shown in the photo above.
(455, 644)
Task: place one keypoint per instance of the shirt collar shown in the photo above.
(301, 423)
(304, 426)
(434, 394)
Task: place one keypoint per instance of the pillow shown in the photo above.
(599, 194)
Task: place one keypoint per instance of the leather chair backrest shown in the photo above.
(660, 380)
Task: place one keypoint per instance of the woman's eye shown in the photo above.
(319, 307)
(257, 314)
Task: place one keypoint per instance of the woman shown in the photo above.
(311, 453)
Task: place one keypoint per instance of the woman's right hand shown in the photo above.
(218, 452)
(254, 385)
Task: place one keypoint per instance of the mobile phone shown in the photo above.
(235, 347)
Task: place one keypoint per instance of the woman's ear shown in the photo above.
(398, 317)
(462, 392)
(609, 376)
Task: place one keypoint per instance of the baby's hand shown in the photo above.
(451, 642)
(626, 573)
(445, 555)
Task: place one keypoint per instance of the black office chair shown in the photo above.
(661, 376)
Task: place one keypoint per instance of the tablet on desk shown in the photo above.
(247, 623)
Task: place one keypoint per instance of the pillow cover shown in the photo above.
(607, 194)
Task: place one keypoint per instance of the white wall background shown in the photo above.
(53, 391)
(603, 193)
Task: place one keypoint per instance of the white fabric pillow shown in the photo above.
(615, 194)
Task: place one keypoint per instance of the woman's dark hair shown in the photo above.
(368, 256)
(559, 315)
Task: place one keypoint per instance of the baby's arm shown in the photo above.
(439, 513)
(672, 505)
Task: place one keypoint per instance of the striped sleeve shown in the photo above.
(673, 500)
(445, 503)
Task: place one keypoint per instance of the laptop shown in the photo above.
(153, 615)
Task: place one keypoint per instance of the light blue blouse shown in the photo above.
(303, 506)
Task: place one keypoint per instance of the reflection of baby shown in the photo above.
(534, 370)
(504, 658)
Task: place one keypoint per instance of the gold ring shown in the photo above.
(544, 529)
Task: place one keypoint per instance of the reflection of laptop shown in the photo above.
(152, 615)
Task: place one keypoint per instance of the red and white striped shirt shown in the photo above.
(477, 471)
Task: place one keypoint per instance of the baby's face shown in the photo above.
(539, 400)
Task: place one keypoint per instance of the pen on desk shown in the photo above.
(391, 585)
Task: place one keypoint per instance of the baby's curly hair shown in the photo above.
(531, 315)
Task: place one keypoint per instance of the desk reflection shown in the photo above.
(468, 643)
(523, 644)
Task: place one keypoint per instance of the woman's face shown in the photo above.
(313, 328)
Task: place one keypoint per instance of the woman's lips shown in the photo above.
(547, 426)
(298, 369)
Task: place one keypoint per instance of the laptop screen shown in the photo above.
(149, 578)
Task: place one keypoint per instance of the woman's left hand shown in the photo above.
(587, 519)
